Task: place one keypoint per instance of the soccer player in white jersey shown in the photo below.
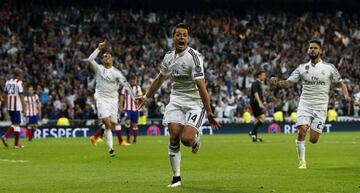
(108, 80)
(14, 100)
(189, 98)
(33, 111)
(316, 77)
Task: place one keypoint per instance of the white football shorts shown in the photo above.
(314, 118)
(107, 108)
(184, 114)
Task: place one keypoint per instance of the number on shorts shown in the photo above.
(193, 118)
(319, 125)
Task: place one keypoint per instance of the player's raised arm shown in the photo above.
(153, 88)
(200, 83)
(95, 53)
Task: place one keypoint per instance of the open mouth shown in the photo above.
(181, 43)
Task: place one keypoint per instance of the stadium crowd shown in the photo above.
(49, 45)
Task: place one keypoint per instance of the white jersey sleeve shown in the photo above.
(165, 65)
(335, 75)
(295, 75)
(125, 84)
(91, 59)
(198, 65)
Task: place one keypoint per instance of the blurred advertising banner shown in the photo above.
(159, 130)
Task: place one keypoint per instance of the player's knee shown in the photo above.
(127, 123)
(262, 119)
(174, 139)
(313, 140)
(186, 140)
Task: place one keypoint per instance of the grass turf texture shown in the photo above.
(225, 163)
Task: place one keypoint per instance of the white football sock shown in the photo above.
(109, 138)
(300, 147)
(175, 159)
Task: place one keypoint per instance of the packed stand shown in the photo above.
(49, 47)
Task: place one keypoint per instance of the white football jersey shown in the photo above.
(316, 81)
(183, 68)
(107, 80)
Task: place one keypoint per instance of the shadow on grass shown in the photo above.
(355, 170)
(210, 189)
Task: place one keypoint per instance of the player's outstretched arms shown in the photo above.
(344, 90)
(276, 82)
(140, 101)
(200, 83)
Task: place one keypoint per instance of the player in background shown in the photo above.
(257, 104)
(33, 111)
(131, 113)
(108, 80)
(189, 98)
(316, 77)
(14, 100)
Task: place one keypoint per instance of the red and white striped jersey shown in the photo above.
(14, 89)
(32, 103)
(129, 102)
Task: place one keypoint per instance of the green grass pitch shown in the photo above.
(225, 164)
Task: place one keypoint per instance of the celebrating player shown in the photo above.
(316, 77)
(188, 99)
(108, 80)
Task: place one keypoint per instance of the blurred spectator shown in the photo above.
(48, 44)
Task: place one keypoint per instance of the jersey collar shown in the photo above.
(182, 53)
(313, 65)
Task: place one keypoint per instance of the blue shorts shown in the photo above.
(32, 120)
(133, 116)
(15, 117)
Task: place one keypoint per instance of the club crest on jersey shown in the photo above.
(307, 67)
(183, 66)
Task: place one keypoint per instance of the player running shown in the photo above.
(316, 77)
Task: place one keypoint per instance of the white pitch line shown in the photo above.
(14, 161)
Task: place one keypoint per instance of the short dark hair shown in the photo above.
(18, 72)
(316, 41)
(132, 76)
(106, 52)
(181, 25)
(258, 72)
